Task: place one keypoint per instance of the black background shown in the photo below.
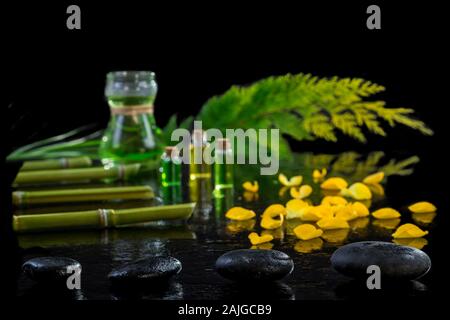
(55, 77)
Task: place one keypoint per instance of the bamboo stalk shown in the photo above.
(62, 163)
(23, 198)
(120, 172)
(101, 218)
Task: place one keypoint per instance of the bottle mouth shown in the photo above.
(131, 83)
(130, 76)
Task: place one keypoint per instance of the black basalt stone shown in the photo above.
(155, 269)
(396, 262)
(254, 265)
(50, 269)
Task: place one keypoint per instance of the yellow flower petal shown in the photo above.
(389, 224)
(409, 230)
(315, 213)
(377, 189)
(319, 174)
(248, 186)
(424, 218)
(301, 192)
(358, 191)
(360, 209)
(307, 232)
(282, 191)
(335, 183)
(333, 201)
(235, 226)
(273, 211)
(332, 223)
(256, 239)
(270, 223)
(307, 246)
(374, 178)
(292, 182)
(335, 235)
(240, 214)
(293, 208)
(418, 243)
(386, 213)
(275, 233)
(249, 196)
(422, 207)
(346, 213)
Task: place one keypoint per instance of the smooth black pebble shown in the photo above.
(50, 268)
(158, 268)
(254, 265)
(396, 262)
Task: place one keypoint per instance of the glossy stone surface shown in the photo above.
(395, 262)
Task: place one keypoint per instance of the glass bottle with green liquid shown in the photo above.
(132, 135)
(223, 167)
(199, 166)
(170, 176)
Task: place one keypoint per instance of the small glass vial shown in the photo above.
(170, 169)
(199, 167)
(132, 135)
(223, 166)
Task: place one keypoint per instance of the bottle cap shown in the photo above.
(223, 144)
(171, 151)
(198, 137)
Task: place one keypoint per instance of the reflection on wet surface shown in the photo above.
(199, 242)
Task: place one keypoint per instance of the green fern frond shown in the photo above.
(307, 107)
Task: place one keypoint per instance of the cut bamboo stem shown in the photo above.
(62, 163)
(25, 198)
(119, 172)
(101, 218)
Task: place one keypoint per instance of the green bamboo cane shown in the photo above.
(23, 198)
(102, 218)
(62, 163)
(120, 172)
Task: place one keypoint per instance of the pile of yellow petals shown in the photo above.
(375, 178)
(256, 239)
(273, 211)
(292, 182)
(408, 230)
(422, 207)
(251, 187)
(301, 192)
(334, 183)
(357, 191)
(307, 232)
(240, 214)
(386, 213)
(319, 174)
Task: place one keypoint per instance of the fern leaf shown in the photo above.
(307, 107)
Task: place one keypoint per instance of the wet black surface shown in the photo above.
(200, 241)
